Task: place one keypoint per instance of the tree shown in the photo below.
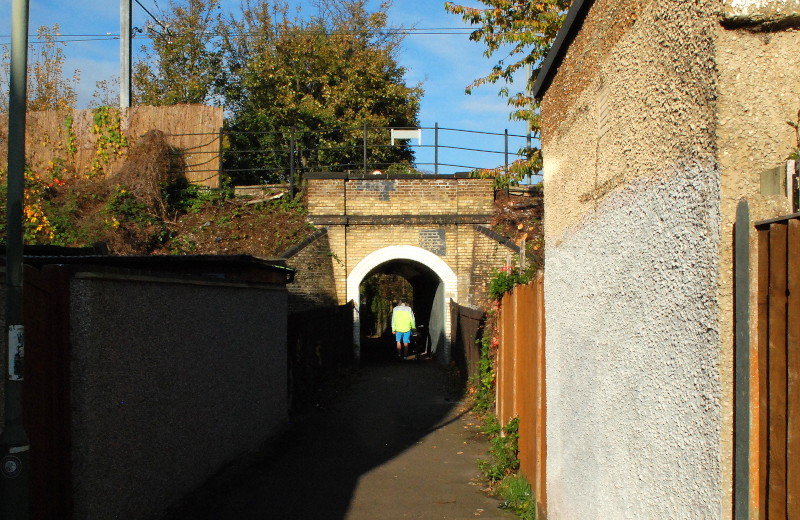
(5, 68)
(106, 93)
(523, 31)
(48, 89)
(316, 82)
(183, 63)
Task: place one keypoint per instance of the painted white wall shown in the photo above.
(633, 384)
(403, 252)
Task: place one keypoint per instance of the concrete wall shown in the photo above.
(632, 205)
(170, 381)
(759, 90)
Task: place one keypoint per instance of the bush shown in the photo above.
(503, 450)
(506, 279)
(517, 496)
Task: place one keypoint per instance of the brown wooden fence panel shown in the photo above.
(763, 336)
(793, 374)
(46, 392)
(521, 378)
(320, 343)
(779, 368)
(467, 326)
(506, 359)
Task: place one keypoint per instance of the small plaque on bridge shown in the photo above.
(433, 240)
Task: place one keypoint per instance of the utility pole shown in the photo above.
(528, 122)
(125, 29)
(14, 446)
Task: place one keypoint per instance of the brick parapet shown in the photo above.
(399, 196)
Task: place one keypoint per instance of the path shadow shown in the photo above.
(315, 470)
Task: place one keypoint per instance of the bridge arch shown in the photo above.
(447, 277)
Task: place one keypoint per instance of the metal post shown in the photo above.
(365, 149)
(124, 54)
(506, 152)
(741, 413)
(291, 164)
(14, 448)
(528, 140)
(436, 149)
(221, 150)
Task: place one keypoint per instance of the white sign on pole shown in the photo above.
(407, 133)
(16, 351)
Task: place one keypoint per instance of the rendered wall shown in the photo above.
(170, 381)
(759, 90)
(632, 205)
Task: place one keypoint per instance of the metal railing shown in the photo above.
(285, 155)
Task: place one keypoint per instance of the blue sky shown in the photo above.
(444, 64)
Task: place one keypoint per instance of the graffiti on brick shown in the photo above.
(383, 188)
(433, 240)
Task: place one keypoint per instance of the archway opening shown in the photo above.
(383, 288)
(432, 282)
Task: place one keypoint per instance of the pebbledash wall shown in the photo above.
(658, 117)
(159, 368)
(439, 222)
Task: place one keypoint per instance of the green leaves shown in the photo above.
(522, 32)
(323, 78)
(184, 62)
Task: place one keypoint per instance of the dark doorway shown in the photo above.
(424, 291)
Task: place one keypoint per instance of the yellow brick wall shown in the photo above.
(439, 204)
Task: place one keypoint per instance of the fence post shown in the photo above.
(221, 150)
(741, 472)
(436, 149)
(365, 148)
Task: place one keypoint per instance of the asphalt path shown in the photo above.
(398, 444)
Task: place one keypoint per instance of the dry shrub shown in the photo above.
(152, 166)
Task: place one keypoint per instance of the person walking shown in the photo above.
(402, 324)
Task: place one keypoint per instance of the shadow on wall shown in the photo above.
(316, 472)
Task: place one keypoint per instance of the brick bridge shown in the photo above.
(431, 230)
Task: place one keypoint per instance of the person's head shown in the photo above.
(403, 302)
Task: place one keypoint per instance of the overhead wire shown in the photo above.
(407, 31)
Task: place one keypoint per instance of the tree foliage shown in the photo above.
(183, 63)
(308, 80)
(288, 80)
(521, 33)
(48, 88)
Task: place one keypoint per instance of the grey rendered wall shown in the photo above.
(632, 230)
(437, 325)
(170, 381)
(633, 411)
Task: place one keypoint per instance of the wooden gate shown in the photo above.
(779, 367)
(467, 326)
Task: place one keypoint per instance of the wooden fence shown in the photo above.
(778, 407)
(520, 373)
(71, 136)
(320, 343)
(467, 327)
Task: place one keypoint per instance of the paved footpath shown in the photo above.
(395, 446)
